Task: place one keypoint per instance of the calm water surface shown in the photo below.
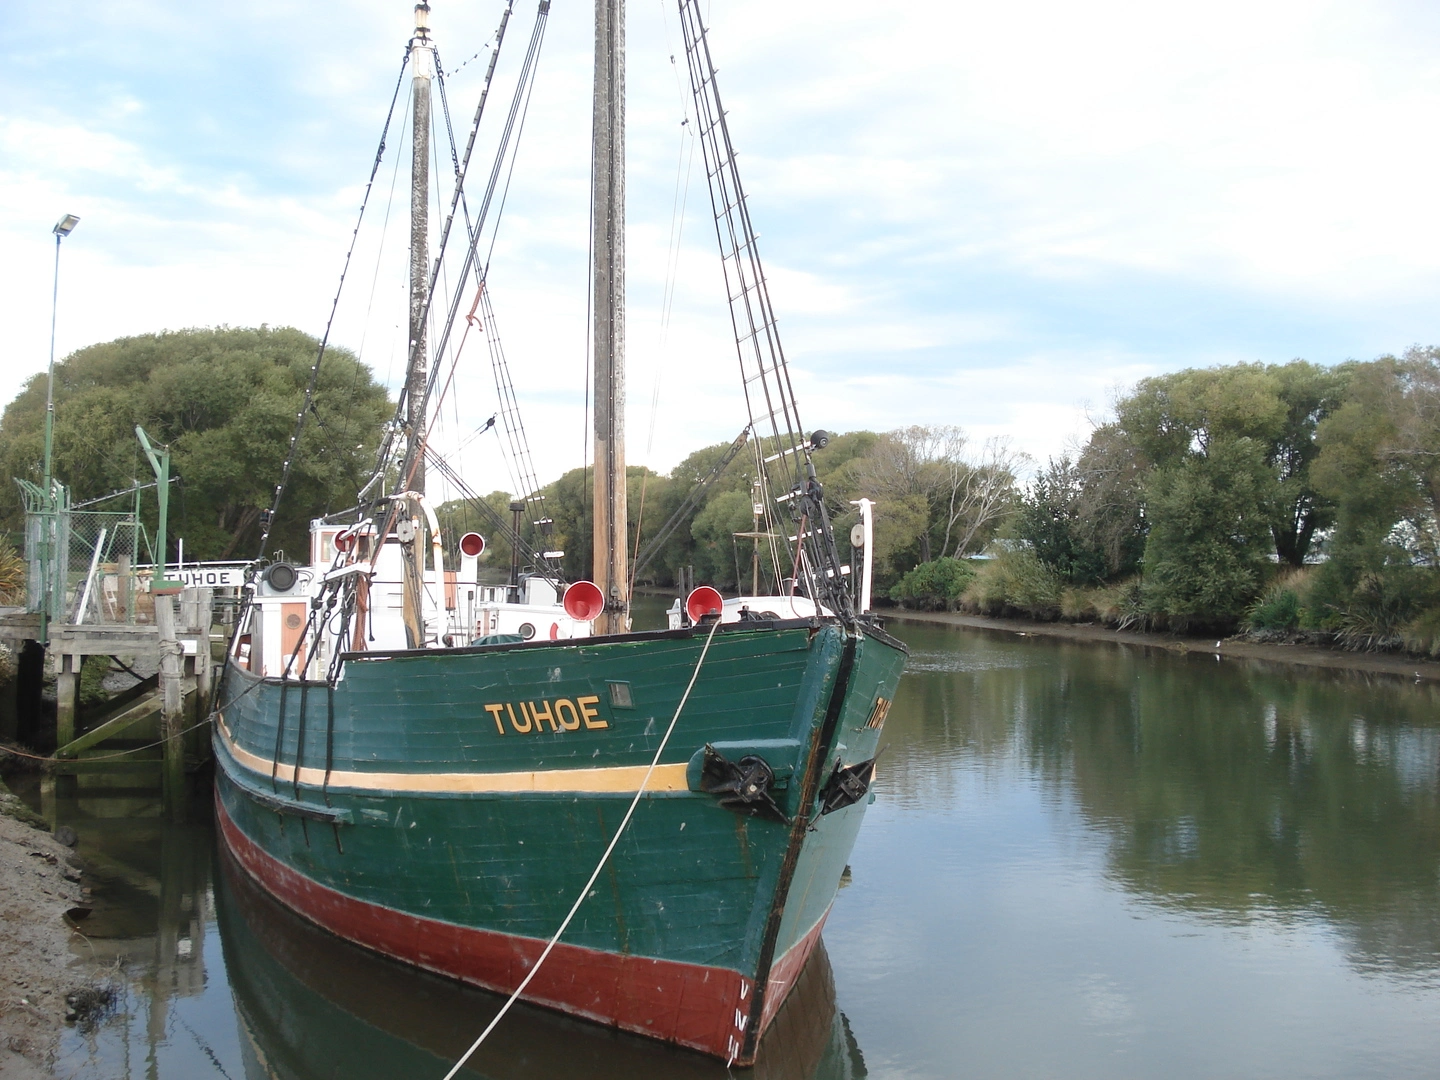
(1085, 861)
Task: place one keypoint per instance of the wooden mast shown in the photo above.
(611, 538)
(422, 59)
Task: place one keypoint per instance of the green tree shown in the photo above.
(716, 554)
(225, 400)
(569, 502)
(1050, 522)
(1110, 507)
(1176, 417)
(1207, 552)
(934, 586)
(1310, 394)
(936, 498)
(1379, 462)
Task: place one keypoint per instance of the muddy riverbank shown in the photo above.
(1301, 655)
(40, 880)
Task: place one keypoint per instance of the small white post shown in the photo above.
(867, 524)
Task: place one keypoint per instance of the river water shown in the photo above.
(1084, 861)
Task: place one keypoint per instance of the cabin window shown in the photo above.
(527, 630)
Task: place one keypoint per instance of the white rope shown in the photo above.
(598, 866)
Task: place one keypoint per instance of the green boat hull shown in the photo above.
(445, 807)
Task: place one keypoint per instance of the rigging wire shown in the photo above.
(522, 471)
(345, 437)
(501, 527)
(672, 267)
(384, 234)
(527, 486)
(604, 858)
(386, 448)
(788, 469)
(413, 452)
(268, 518)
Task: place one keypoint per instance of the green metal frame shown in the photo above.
(160, 463)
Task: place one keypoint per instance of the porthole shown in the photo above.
(527, 630)
(293, 621)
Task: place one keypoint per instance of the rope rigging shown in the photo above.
(519, 461)
(267, 518)
(783, 451)
(499, 526)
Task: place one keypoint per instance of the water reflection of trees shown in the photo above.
(1232, 789)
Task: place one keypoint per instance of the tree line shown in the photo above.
(225, 401)
(939, 499)
(1287, 499)
(1290, 500)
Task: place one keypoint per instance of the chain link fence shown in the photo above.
(81, 566)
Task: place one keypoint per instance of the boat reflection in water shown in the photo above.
(310, 1005)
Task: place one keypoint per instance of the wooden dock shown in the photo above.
(149, 737)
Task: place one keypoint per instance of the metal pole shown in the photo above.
(160, 464)
(50, 384)
(611, 535)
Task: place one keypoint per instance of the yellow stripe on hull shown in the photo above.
(613, 780)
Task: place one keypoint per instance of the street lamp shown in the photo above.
(63, 228)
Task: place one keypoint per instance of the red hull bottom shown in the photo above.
(704, 1008)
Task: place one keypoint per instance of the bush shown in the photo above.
(1015, 581)
(1376, 615)
(1422, 635)
(935, 585)
(1121, 605)
(1282, 605)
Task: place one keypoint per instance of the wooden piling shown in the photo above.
(67, 685)
(172, 715)
(198, 609)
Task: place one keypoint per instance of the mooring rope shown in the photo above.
(598, 866)
(6, 748)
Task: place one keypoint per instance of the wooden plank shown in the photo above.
(103, 640)
(146, 707)
(101, 712)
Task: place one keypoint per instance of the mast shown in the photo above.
(422, 56)
(611, 538)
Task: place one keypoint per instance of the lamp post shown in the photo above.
(63, 228)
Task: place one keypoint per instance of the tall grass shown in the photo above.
(1015, 582)
(12, 575)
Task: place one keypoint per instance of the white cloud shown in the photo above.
(973, 213)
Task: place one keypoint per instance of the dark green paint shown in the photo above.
(690, 880)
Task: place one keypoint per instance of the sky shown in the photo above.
(996, 216)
